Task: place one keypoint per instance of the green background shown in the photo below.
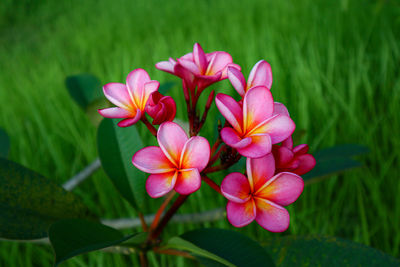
(335, 66)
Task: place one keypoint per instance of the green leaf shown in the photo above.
(72, 237)
(116, 147)
(225, 247)
(84, 89)
(4, 143)
(30, 203)
(325, 251)
(335, 159)
(165, 87)
(341, 151)
(324, 168)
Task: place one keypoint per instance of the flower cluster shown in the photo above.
(256, 127)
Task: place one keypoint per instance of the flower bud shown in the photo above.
(160, 108)
(289, 159)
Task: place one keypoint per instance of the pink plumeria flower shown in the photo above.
(257, 125)
(175, 164)
(293, 159)
(206, 69)
(161, 108)
(260, 75)
(261, 196)
(130, 99)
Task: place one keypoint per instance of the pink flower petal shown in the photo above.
(205, 81)
(149, 88)
(135, 83)
(171, 138)
(167, 66)
(158, 185)
(225, 70)
(187, 77)
(237, 80)
(131, 121)
(188, 56)
(288, 142)
(199, 57)
(306, 163)
(260, 146)
(118, 94)
(189, 181)
(218, 61)
(258, 106)
(271, 216)
(151, 159)
(195, 154)
(260, 170)
(189, 65)
(115, 113)
(283, 156)
(279, 127)
(236, 188)
(136, 79)
(300, 149)
(241, 214)
(231, 138)
(282, 189)
(280, 108)
(231, 110)
(260, 75)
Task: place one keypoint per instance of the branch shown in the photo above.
(206, 216)
(82, 175)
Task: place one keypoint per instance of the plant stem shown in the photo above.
(149, 126)
(168, 215)
(161, 210)
(143, 259)
(143, 222)
(211, 183)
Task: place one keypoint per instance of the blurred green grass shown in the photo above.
(335, 66)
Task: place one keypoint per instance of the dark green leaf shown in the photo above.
(165, 87)
(325, 251)
(220, 246)
(4, 143)
(72, 237)
(84, 89)
(335, 159)
(30, 203)
(324, 168)
(341, 151)
(116, 147)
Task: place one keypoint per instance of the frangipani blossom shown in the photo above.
(175, 164)
(130, 99)
(257, 125)
(205, 69)
(161, 108)
(261, 196)
(290, 159)
(260, 75)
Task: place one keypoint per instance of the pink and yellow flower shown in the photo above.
(293, 159)
(255, 126)
(175, 164)
(161, 108)
(130, 98)
(260, 75)
(262, 195)
(205, 69)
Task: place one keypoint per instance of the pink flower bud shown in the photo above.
(161, 108)
(289, 159)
